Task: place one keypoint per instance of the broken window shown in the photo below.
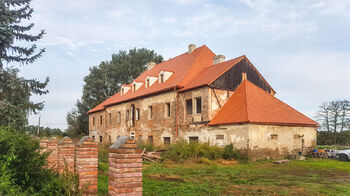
(166, 140)
(193, 139)
(189, 106)
(119, 117)
(167, 110)
(150, 112)
(198, 105)
(219, 137)
(274, 136)
(127, 115)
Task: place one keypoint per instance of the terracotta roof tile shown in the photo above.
(184, 68)
(251, 104)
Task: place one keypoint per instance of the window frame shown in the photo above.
(150, 112)
(189, 112)
(201, 105)
(167, 109)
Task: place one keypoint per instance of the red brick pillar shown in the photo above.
(66, 155)
(52, 148)
(43, 144)
(125, 168)
(86, 165)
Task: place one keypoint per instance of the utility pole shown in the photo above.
(39, 124)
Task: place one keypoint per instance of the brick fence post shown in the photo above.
(86, 165)
(43, 144)
(66, 155)
(52, 159)
(125, 168)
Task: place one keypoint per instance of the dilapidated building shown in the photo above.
(200, 97)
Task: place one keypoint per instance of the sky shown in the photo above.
(302, 48)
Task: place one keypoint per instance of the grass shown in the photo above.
(207, 177)
(337, 147)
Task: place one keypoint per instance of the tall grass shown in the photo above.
(182, 150)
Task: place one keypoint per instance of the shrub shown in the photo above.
(231, 153)
(183, 150)
(147, 146)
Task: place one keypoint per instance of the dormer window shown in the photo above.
(164, 76)
(150, 80)
(134, 87)
(147, 82)
(161, 78)
(124, 90)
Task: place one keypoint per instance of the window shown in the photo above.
(219, 137)
(137, 115)
(93, 138)
(147, 83)
(189, 106)
(127, 115)
(166, 140)
(150, 139)
(110, 118)
(134, 87)
(167, 109)
(101, 120)
(109, 139)
(198, 105)
(122, 91)
(161, 78)
(100, 138)
(132, 134)
(93, 121)
(193, 139)
(149, 112)
(119, 117)
(274, 136)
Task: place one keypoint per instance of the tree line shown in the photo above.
(334, 120)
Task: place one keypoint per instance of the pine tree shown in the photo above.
(12, 12)
(15, 91)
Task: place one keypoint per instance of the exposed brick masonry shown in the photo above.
(125, 168)
(86, 165)
(52, 159)
(66, 155)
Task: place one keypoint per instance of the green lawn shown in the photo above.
(310, 177)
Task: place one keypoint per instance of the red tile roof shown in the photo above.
(184, 68)
(251, 104)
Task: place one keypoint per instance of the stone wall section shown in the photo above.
(66, 155)
(125, 168)
(87, 165)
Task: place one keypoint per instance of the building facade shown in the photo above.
(200, 97)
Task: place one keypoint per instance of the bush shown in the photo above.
(147, 146)
(231, 153)
(22, 169)
(182, 150)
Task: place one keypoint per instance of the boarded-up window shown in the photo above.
(198, 105)
(167, 109)
(274, 136)
(219, 137)
(166, 140)
(150, 139)
(189, 106)
(193, 139)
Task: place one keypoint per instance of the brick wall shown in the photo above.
(43, 144)
(52, 159)
(86, 165)
(66, 155)
(125, 168)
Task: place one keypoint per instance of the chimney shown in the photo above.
(218, 59)
(191, 48)
(150, 65)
